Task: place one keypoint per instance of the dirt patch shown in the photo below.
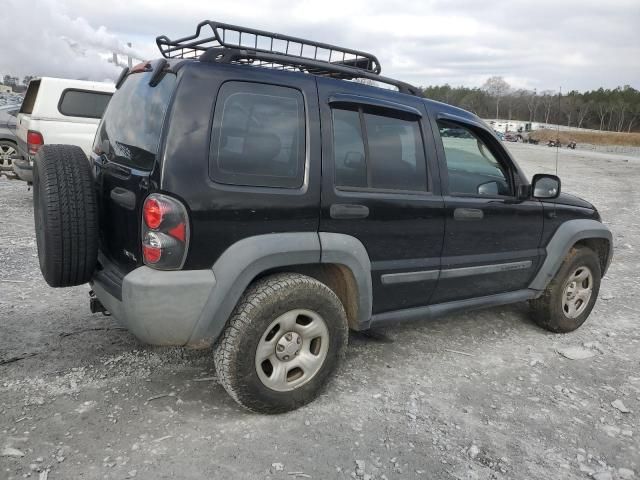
(592, 138)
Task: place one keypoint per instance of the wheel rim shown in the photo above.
(6, 152)
(577, 292)
(292, 350)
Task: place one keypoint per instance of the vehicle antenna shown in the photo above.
(558, 130)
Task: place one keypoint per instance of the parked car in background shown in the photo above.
(8, 140)
(58, 110)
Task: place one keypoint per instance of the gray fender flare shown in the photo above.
(248, 258)
(350, 252)
(563, 239)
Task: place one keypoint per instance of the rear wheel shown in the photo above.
(65, 213)
(7, 151)
(282, 343)
(571, 295)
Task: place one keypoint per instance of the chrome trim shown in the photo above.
(407, 277)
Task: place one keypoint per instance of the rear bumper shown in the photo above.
(159, 308)
(23, 169)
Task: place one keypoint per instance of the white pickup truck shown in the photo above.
(58, 110)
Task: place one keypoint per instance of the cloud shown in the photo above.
(543, 44)
(38, 39)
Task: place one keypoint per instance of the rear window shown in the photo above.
(83, 103)
(258, 136)
(132, 123)
(30, 97)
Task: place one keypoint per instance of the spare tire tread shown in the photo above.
(68, 200)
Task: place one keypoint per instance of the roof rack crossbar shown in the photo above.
(229, 44)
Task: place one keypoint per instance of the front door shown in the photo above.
(380, 185)
(491, 237)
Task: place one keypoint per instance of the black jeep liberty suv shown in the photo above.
(253, 192)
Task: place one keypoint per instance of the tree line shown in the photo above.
(616, 110)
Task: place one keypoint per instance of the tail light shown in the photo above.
(34, 141)
(165, 232)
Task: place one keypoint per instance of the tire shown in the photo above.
(255, 319)
(66, 216)
(552, 310)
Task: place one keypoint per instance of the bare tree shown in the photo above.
(547, 102)
(622, 106)
(532, 105)
(497, 87)
(583, 109)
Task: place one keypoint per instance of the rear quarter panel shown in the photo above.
(223, 214)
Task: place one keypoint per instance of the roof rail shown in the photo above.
(241, 45)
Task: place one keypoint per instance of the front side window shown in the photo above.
(472, 168)
(82, 103)
(391, 158)
(258, 136)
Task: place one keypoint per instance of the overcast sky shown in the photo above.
(539, 44)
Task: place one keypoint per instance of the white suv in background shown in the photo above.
(58, 111)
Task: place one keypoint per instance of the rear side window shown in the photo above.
(132, 124)
(30, 97)
(83, 103)
(258, 136)
(378, 150)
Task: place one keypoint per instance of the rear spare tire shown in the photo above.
(66, 216)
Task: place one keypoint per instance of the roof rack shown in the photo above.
(241, 45)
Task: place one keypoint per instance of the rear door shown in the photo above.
(380, 185)
(491, 237)
(125, 159)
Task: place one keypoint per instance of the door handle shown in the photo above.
(468, 214)
(341, 211)
(123, 197)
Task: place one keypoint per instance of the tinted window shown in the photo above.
(472, 167)
(258, 136)
(30, 97)
(82, 103)
(349, 152)
(394, 155)
(133, 121)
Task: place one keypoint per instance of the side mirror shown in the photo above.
(545, 186)
(354, 160)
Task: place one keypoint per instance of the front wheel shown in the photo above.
(571, 295)
(282, 343)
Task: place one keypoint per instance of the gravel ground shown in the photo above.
(473, 396)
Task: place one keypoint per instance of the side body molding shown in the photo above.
(350, 252)
(565, 237)
(239, 265)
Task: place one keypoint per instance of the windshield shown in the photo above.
(130, 131)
